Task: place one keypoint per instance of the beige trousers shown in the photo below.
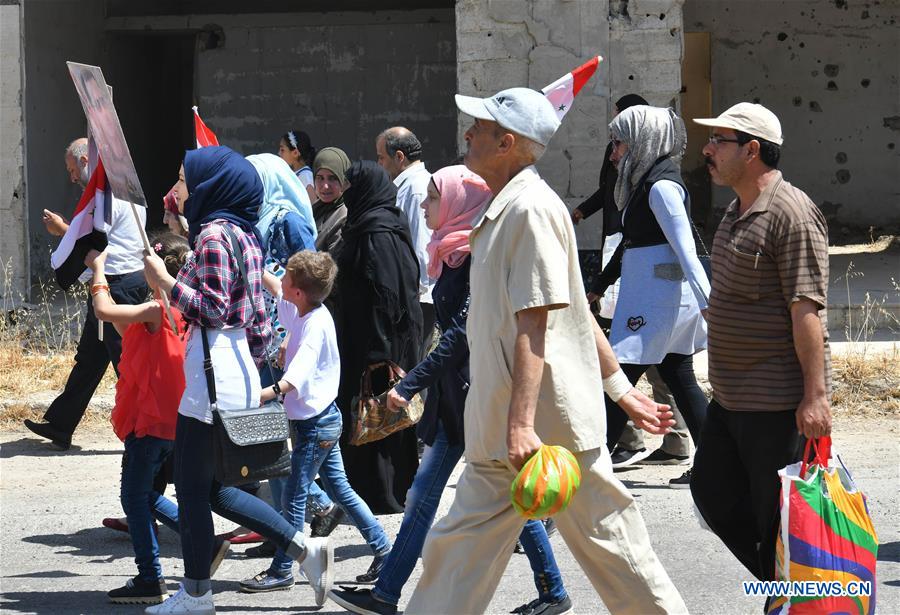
(467, 551)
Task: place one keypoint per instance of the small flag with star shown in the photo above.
(562, 92)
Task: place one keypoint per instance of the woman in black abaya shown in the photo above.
(378, 318)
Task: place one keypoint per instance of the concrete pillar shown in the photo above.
(507, 43)
(13, 214)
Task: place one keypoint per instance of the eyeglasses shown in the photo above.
(718, 140)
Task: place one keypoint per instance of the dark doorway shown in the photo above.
(152, 76)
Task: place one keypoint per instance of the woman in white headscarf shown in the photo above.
(663, 287)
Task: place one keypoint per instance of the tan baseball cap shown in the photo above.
(751, 118)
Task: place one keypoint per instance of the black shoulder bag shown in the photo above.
(249, 444)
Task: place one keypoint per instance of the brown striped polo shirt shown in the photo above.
(762, 262)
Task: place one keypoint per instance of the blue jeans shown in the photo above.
(199, 495)
(316, 450)
(142, 460)
(318, 502)
(547, 578)
(421, 506)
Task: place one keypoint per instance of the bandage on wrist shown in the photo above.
(617, 385)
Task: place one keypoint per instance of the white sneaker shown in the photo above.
(318, 565)
(183, 602)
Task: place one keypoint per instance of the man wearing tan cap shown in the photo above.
(769, 362)
(536, 358)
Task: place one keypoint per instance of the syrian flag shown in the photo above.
(562, 92)
(86, 231)
(204, 135)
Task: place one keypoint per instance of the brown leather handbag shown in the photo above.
(372, 420)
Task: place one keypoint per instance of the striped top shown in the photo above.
(762, 262)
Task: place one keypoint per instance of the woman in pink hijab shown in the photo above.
(456, 198)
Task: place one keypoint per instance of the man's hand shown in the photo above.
(647, 414)
(395, 401)
(522, 443)
(814, 416)
(592, 298)
(577, 216)
(56, 225)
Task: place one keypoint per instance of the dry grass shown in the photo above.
(37, 349)
(866, 385)
(25, 372)
(30, 380)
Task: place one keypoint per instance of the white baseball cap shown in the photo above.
(751, 118)
(523, 111)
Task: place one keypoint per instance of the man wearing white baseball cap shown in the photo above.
(769, 363)
(536, 359)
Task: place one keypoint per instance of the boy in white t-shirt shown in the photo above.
(312, 371)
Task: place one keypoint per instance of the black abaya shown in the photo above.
(378, 317)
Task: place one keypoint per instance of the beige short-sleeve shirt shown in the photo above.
(524, 255)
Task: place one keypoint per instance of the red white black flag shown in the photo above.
(86, 230)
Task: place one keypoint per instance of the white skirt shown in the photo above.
(236, 376)
(654, 316)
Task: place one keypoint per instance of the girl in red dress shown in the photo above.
(151, 382)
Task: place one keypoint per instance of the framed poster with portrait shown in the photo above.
(106, 130)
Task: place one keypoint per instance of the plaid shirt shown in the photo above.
(208, 293)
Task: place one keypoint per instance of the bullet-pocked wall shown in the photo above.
(507, 43)
(341, 77)
(13, 231)
(829, 70)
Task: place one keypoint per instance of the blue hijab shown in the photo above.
(222, 185)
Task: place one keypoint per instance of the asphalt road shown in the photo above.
(55, 557)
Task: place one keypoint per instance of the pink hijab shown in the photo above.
(463, 196)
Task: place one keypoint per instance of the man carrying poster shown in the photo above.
(125, 249)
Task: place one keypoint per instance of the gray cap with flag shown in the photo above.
(523, 111)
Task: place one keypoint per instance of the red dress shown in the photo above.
(151, 380)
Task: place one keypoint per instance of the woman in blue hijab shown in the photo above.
(220, 195)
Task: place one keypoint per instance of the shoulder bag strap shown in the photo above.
(242, 268)
(239, 257)
(208, 369)
(697, 235)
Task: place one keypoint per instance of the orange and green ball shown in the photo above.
(546, 483)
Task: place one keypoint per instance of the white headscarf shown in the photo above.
(650, 133)
(282, 189)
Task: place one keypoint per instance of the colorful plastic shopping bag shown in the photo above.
(546, 483)
(826, 538)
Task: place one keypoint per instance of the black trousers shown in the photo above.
(735, 482)
(92, 356)
(677, 371)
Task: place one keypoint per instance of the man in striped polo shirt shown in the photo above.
(769, 362)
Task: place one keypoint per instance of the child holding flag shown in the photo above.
(150, 385)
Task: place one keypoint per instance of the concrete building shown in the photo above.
(342, 70)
